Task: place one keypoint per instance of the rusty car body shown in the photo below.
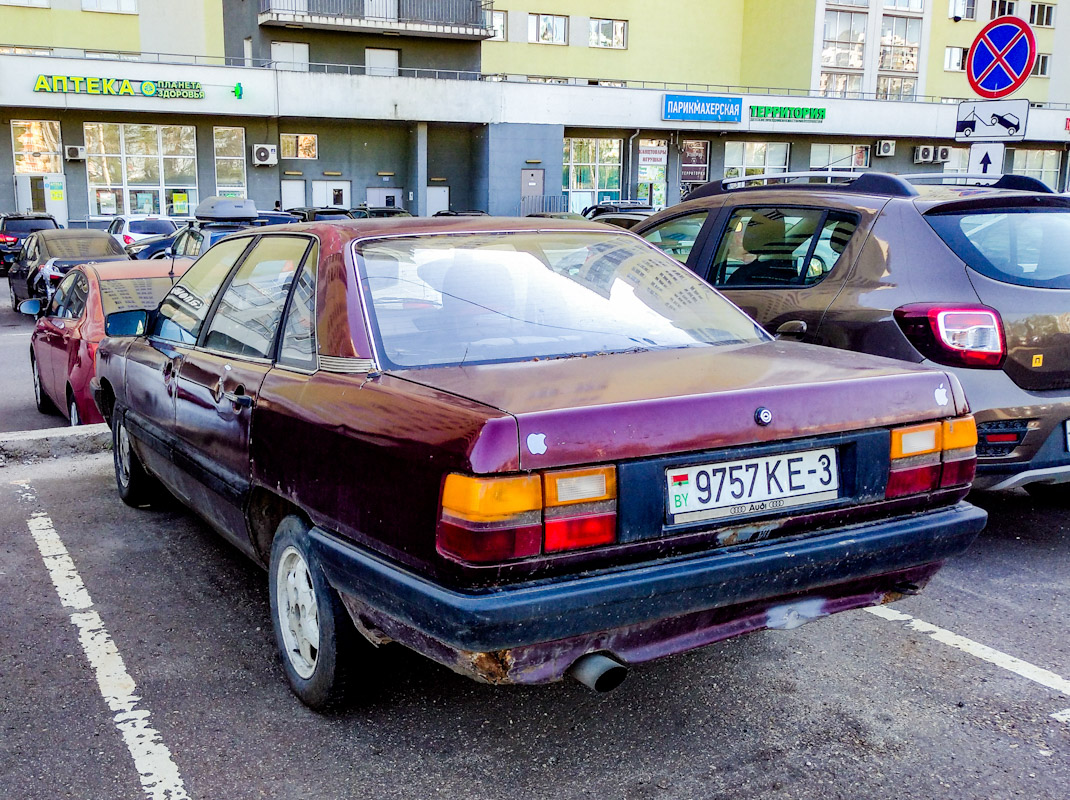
(479, 437)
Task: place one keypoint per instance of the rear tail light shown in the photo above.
(5, 239)
(936, 455)
(127, 239)
(495, 519)
(959, 336)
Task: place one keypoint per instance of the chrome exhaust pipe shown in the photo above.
(598, 672)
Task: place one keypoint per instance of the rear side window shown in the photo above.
(677, 236)
(1027, 247)
(780, 247)
(28, 225)
(152, 226)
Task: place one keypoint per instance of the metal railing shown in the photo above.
(464, 13)
(541, 204)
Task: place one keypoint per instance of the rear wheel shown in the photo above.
(313, 633)
(1054, 493)
(44, 404)
(136, 486)
(72, 411)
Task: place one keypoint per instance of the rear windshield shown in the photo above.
(28, 225)
(84, 246)
(151, 226)
(469, 298)
(128, 294)
(1027, 247)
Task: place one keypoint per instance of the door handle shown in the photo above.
(239, 398)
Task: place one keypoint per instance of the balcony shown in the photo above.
(454, 19)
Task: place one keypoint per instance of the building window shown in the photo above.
(547, 29)
(542, 79)
(37, 146)
(24, 51)
(754, 158)
(112, 56)
(841, 84)
(1040, 164)
(962, 9)
(31, 3)
(230, 162)
(1042, 15)
(846, 157)
(1040, 66)
(904, 5)
(844, 42)
(959, 162)
(611, 33)
(141, 169)
(900, 42)
(592, 172)
(955, 58)
(854, 3)
(113, 6)
(897, 87)
(499, 22)
(298, 145)
(1003, 8)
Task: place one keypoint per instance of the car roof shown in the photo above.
(27, 215)
(378, 227)
(150, 268)
(72, 233)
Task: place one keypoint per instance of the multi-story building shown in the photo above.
(144, 105)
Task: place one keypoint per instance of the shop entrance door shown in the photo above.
(331, 193)
(42, 193)
(389, 198)
(293, 194)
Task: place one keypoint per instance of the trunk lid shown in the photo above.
(634, 405)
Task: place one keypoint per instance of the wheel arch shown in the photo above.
(264, 511)
(107, 400)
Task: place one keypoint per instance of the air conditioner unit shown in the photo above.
(885, 148)
(942, 153)
(923, 154)
(265, 155)
(74, 152)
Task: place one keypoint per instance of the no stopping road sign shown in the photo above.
(1001, 57)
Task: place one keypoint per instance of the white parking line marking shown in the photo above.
(159, 774)
(1016, 665)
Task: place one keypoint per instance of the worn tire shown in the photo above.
(1054, 493)
(11, 292)
(315, 653)
(74, 419)
(136, 486)
(44, 403)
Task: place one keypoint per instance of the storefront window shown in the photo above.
(592, 171)
(845, 157)
(141, 169)
(754, 158)
(1040, 164)
(298, 145)
(230, 162)
(37, 146)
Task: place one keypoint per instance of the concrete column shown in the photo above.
(418, 169)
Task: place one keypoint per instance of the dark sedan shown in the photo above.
(48, 255)
(14, 228)
(524, 448)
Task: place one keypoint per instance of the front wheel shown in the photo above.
(313, 633)
(136, 486)
(72, 413)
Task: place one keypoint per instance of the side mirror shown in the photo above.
(168, 252)
(792, 329)
(31, 306)
(126, 323)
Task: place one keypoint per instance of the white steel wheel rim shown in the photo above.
(298, 612)
(74, 420)
(123, 451)
(36, 382)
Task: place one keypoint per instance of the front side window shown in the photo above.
(248, 315)
(611, 33)
(547, 29)
(60, 295)
(185, 307)
(452, 299)
(677, 236)
(780, 247)
(37, 146)
(74, 306)
(1023, 246)
(298, 145)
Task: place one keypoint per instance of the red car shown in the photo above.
(64, 343)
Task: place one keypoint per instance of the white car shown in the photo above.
(129, 228)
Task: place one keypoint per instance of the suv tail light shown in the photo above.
(959, 336)
(491, 519)
(128, 239)
(5, 239)
(935, 455)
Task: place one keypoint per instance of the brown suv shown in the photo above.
(973, 278)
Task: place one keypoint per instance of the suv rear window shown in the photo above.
(1027, 247)
(27, 225)
(146, 226)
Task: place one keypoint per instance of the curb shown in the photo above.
(54, 442)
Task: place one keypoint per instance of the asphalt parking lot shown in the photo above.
(138, 661)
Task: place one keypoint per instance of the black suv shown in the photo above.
(14, 228)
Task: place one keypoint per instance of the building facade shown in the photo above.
(128, 106)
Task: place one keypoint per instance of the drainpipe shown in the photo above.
(631, 183)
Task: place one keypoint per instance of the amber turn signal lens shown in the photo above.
(491, 499)
(959, 433)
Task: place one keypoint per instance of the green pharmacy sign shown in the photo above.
(119, 87)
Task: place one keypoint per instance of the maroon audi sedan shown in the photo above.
(524, 448)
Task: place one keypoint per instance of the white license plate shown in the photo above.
(752, 485)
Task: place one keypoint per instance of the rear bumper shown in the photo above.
(531, 633)
(1048, 463)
